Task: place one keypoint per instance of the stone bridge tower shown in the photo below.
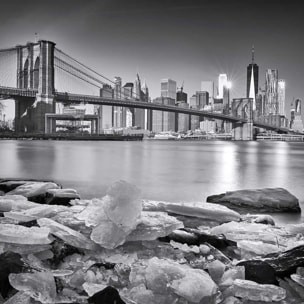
(35, 71)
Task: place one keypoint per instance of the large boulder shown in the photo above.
(258, 200)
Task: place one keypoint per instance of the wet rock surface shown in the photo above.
(258, 200)
(58, 248)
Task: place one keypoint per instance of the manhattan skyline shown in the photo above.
(190, 42)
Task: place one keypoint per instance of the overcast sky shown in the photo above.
(187, 41)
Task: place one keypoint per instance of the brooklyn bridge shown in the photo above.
(34, 75)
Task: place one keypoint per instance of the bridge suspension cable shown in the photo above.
(67, 62)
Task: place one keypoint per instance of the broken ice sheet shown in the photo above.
(67, 234)
(17, 234)
(153, 225)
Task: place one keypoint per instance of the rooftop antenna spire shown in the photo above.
(252, 54)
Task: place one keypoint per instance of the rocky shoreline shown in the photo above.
(58, 248)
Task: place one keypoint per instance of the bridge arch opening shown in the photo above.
(36, 73)
(25, 74)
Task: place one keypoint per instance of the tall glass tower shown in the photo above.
(252, 77)
(281, 96)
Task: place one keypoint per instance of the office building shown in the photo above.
(296, 122)
(105, 113)
(163, 121)
(182, 119)
(271, 94)
(281, 96)
(139, 114)
(222, 82)
(252, 78)
(181, 96)
(202, 99)
(168, 88)
(208, 86)
(117, 111)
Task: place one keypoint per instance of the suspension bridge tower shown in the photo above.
(35, 71)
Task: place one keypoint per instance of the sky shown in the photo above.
(188, 41)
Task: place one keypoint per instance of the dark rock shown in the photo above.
(10, 262)
(61, 250)
(258, 200)
(9, 185)
(192, 236)
(109, 295)
(259, 271)
(61, 196)
(284, 263)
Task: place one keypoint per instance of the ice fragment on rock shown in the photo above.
(258, 247)
(210, 212)
(92, 288)
(34, 190)
(230, 275)
(67, 234)
(17, 234)
(153, 225)
(257, 292)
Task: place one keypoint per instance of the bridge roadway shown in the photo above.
(10, 92)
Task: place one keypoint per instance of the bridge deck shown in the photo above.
(9, 92)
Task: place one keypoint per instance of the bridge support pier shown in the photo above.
(242, 131)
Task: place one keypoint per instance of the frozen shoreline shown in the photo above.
(132, 245)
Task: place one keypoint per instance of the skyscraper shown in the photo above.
(252, 78)
(222, 82)
(168, 88)
(208, 86)
(271, 86)
(281, 96)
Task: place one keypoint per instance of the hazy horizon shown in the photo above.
(190, 42)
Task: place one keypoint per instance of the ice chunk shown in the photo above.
(231, 300)
(61, 196)
(67, 234)
(122, 205)
(19, 298)
(154, 225)
(34, 213)
(258, 292)
(230, 275)
(257, 247)
(15, 202)
(39, 285)
(16, 234)
(216, 270)
(210, 212)
(108, 235)
(92, 288)
(185, 247)
(298, 279)
(191, 284)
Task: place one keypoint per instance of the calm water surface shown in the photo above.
(163, 170)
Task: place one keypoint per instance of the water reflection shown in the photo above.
(173, 171)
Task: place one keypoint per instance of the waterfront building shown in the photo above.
(281, 96)
(117, 111)
(222, 82)
(105, 113)
(139, 114)
(127, 113)
(182, 119)
(168, 88)
(208, 126)
(208, 86)
(252, 78)
(192, 102)
(296, 122)
(271, 86)
(163, 121)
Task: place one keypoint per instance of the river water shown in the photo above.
(163, 170)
